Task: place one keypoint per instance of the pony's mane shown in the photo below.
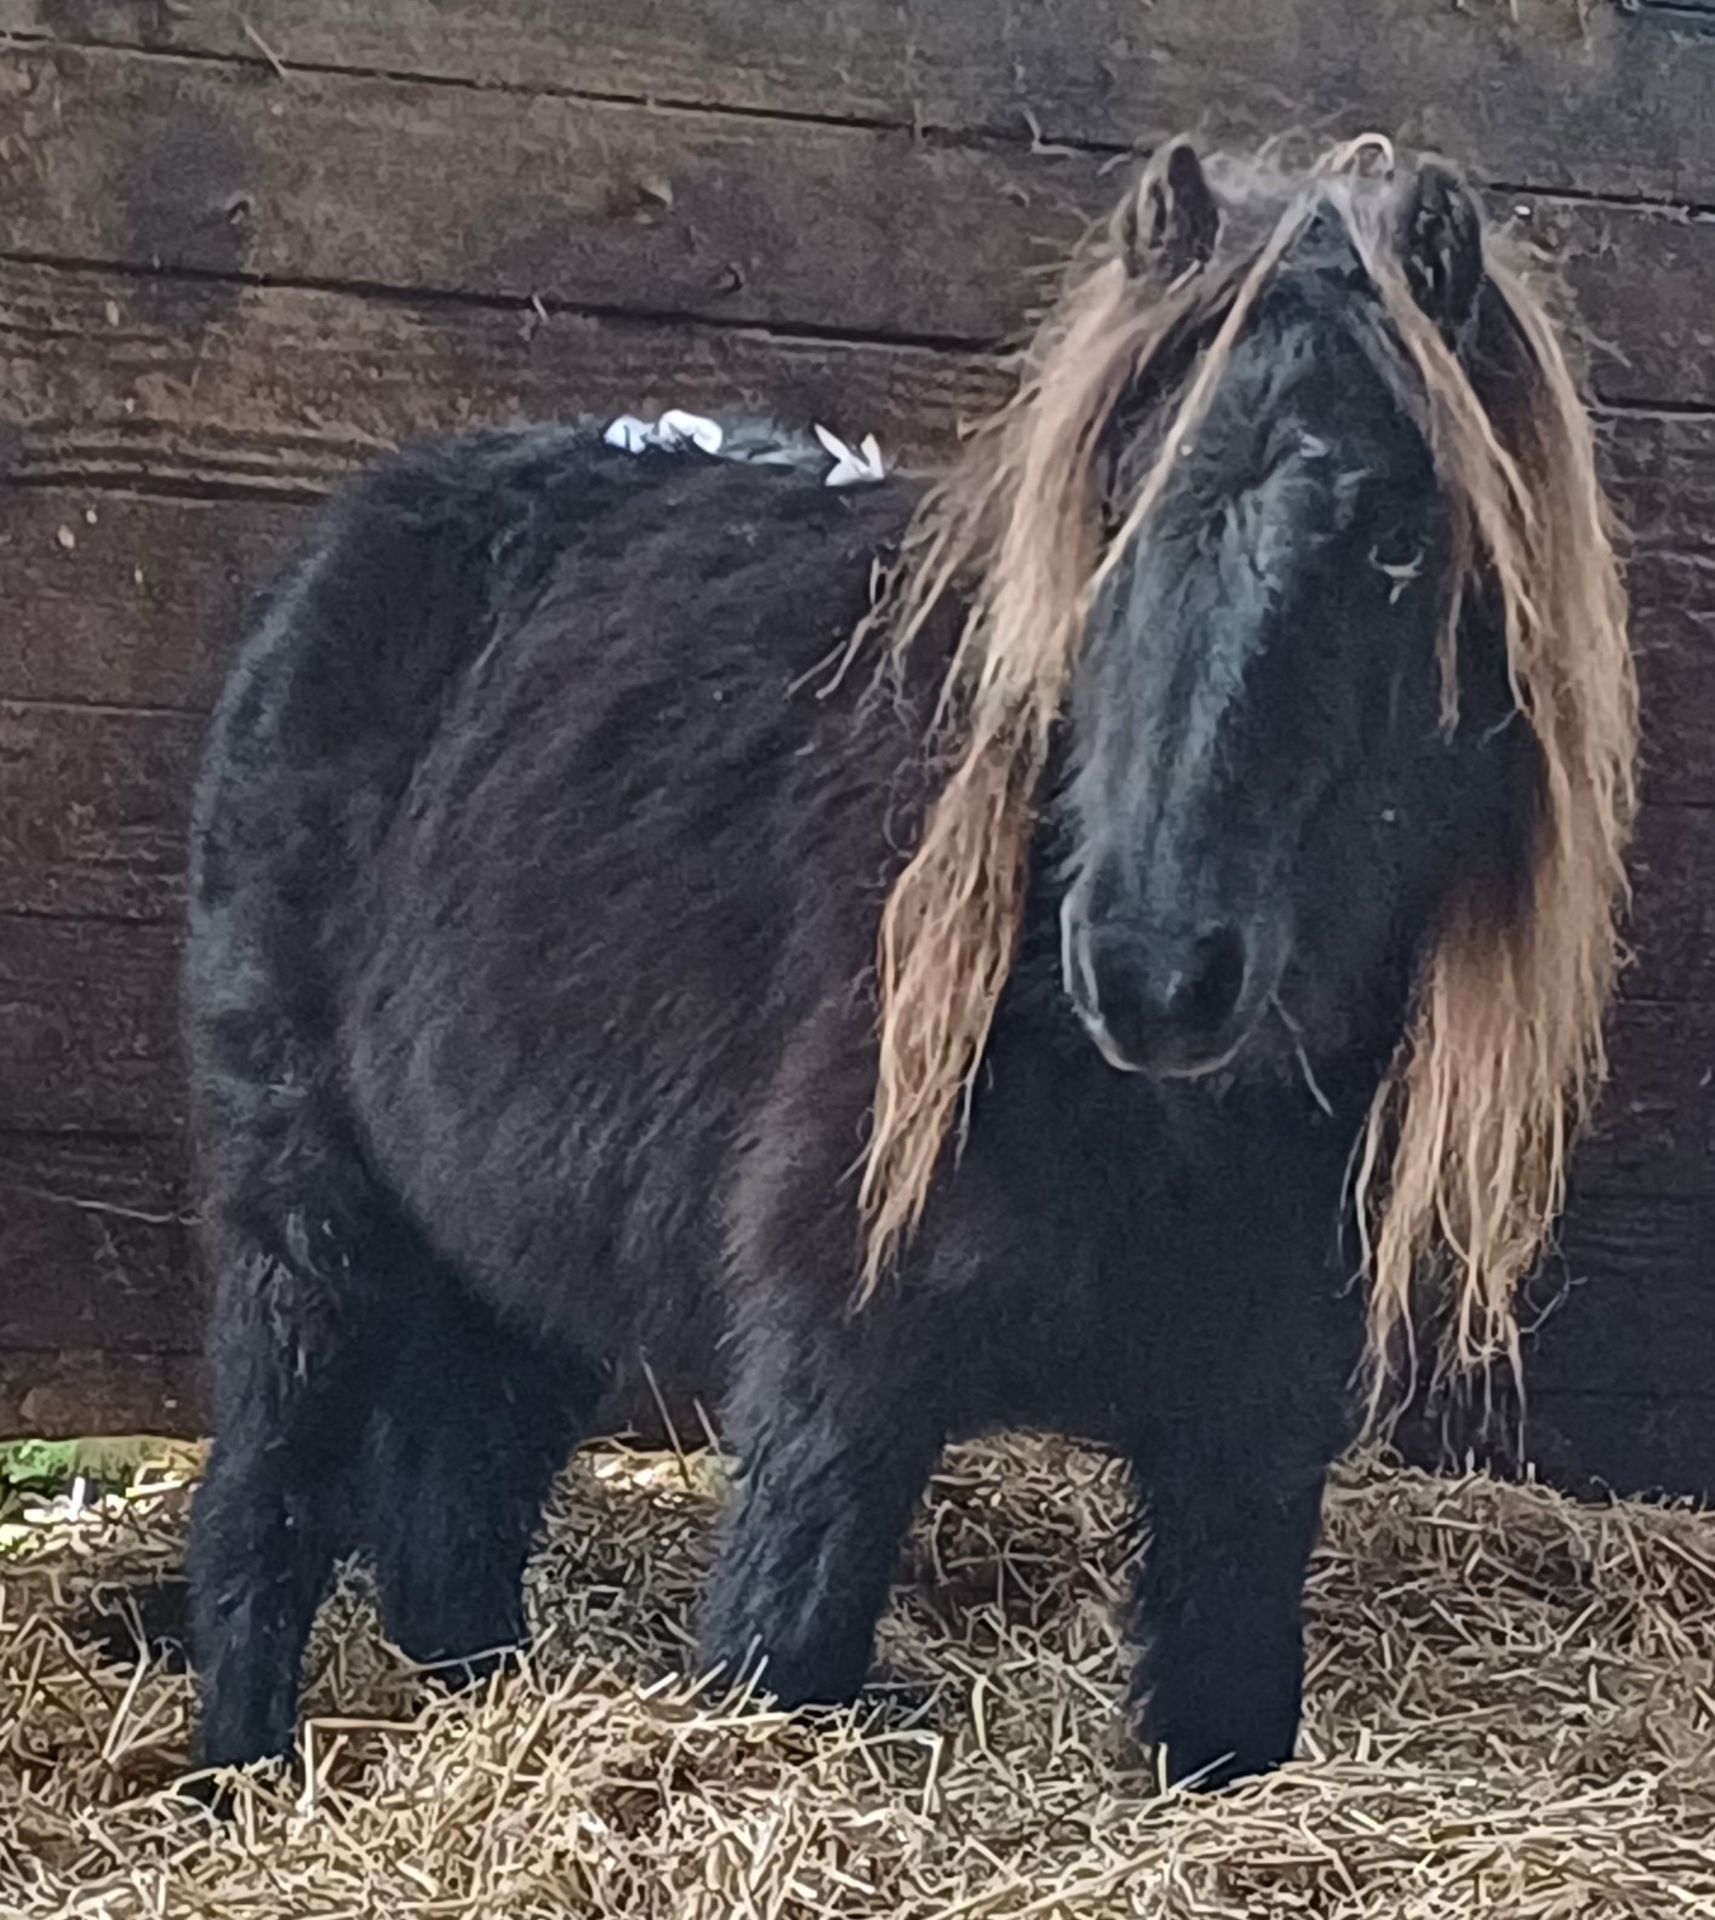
(1461, 1168)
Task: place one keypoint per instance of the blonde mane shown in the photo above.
(1461, 1169)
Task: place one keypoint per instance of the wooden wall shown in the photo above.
(244, 247)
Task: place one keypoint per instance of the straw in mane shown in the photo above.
(1461, 1168)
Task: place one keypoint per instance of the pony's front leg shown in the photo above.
(1219, 1603)
(836, 1444)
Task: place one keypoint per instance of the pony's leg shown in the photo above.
(289, 1366)
(473, 1423)
(1219, 1600)
(836, 1443)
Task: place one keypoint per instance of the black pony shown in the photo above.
(533, 997)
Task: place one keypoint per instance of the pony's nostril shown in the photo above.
(1201, 996)
(1151, 1008)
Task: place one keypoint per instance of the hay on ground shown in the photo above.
(1512, 1712)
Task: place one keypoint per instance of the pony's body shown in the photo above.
(535, 893)
(541, 999)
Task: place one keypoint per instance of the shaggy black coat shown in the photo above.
(536, 883)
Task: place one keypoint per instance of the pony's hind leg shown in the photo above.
(471, 1425)
(289, 1371)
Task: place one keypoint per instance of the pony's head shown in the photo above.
(1273, 788)
(1289, 560)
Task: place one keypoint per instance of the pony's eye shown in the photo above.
(1401, 562)
(1397, 547)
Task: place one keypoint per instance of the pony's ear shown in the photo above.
(1171, 220)
(1441, 245)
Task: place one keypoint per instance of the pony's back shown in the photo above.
(529, 749)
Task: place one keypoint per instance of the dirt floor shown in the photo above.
(1512, 1713)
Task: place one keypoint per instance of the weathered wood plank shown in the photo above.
(89, 1031)
(202, 166)
(96, 1249)
(173, 383)
(1627, 95)
(1599, 1443)
(1631, 1289)
(94, 810)
(88, 1391)
(1643, 1442)
(214, 383)
(93, 797)
(1642, 284)
(1673, 630)
(126, 600)
(95, 1246)
(92, 1007)
(1655, 1129)
(1672, 925)
(1602, 1442)
(1661, 469)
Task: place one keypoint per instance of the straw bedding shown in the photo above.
(1512, 1711)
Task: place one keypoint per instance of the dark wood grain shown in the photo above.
(201, 385)
(1672, 924)
(1606, 1442)
(203, 166)
(1630, 1441)
(94, 1390)
(1617, 1373)
(1660, 467)
(115, 380)
(94, 810)
(1673, 630)
(1641, 283)
(95, 1241)
(122, 600)
(228, 288)
(1540, 92)
(1655, 1129)
(89, 1032)
(1632, 1291)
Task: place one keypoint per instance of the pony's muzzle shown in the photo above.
(1154, 1005)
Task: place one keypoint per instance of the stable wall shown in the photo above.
(243, 249)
